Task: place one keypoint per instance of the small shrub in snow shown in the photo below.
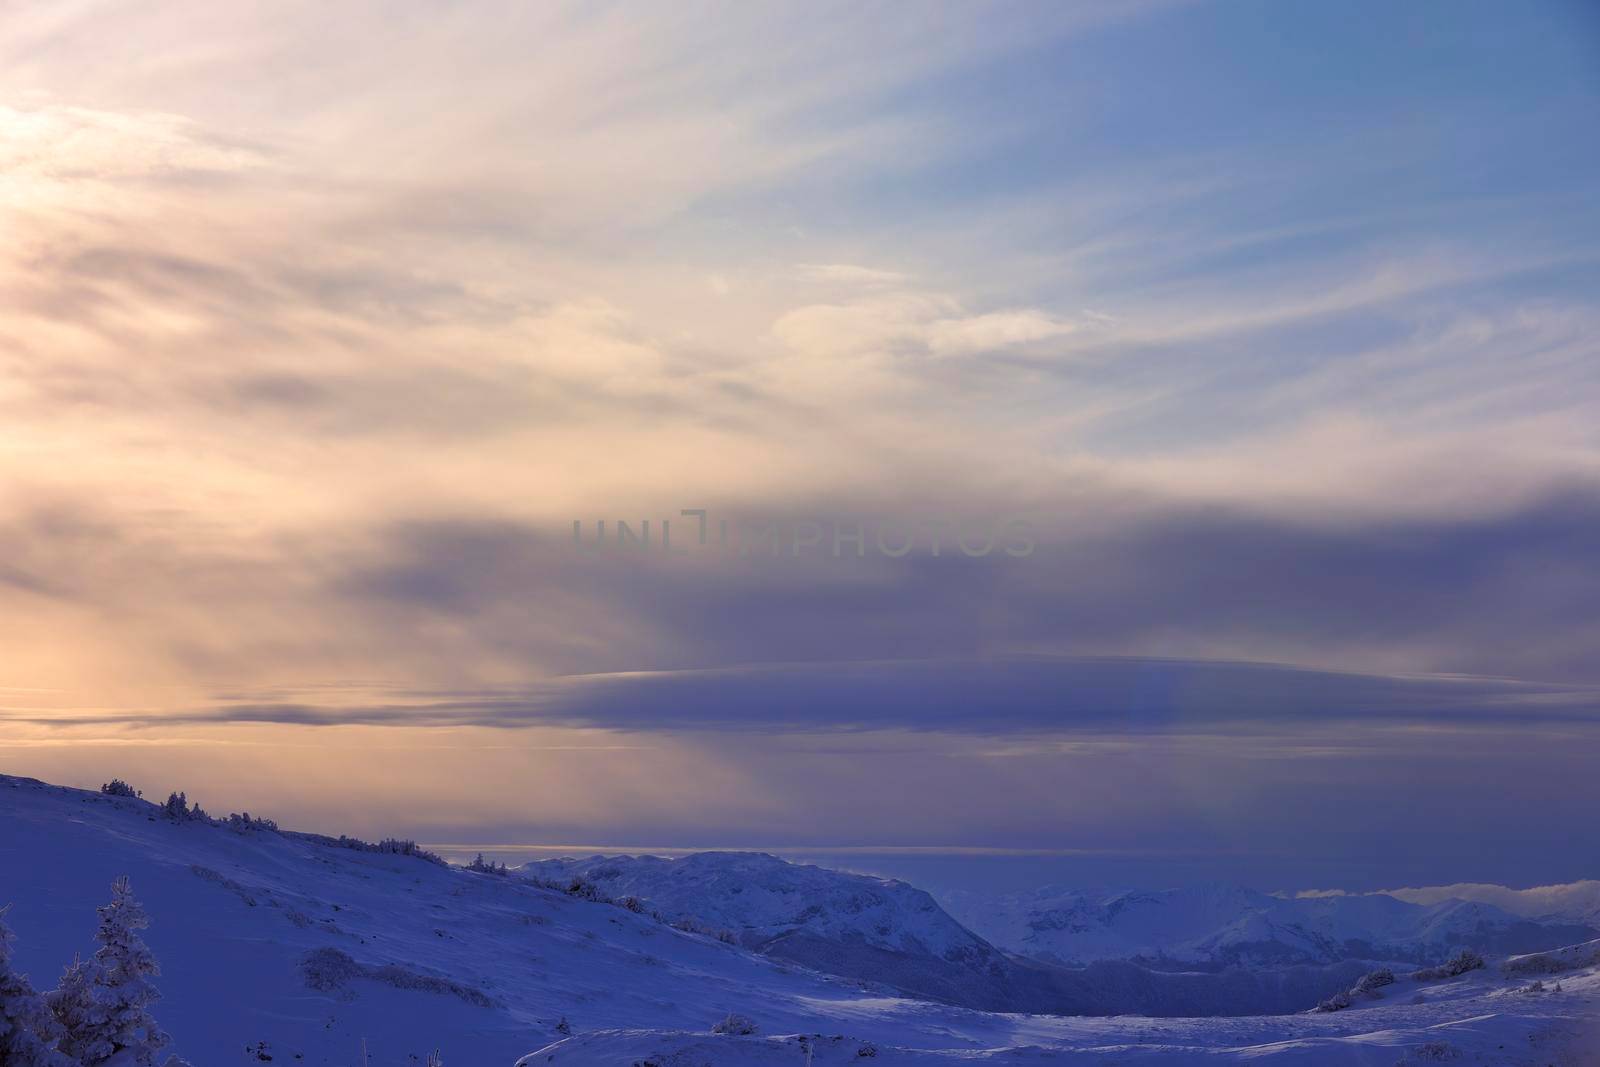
(118, 788)
(390, 845)
(1435, 1052)
(393, 974)
(243, 822)
(1371, 982)
(563, 1027)
(488, 867)
(328, 970)
(1459, 964)
(396, 846)
(735, 1024)
(1533, 963)
(1366, 988)
(586, 891)
(1337, 1002)
(1569, 959)
(177, 807)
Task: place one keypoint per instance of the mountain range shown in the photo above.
(1211, 926)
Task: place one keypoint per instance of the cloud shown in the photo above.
(1122, 702)
(888, 344)
(992, 331)
(905, 321)
(1199, 769)
(54, 145)
(472, 602)
(1110, 575)
(850, 274)
(307, 380)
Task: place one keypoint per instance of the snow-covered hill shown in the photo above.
(313, 948)
(872, 929)
(758, 897)
(1218, 925)
(304, 949)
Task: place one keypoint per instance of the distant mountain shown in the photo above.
(873, 929)
(1577, 902)
(760, 898)
(1223, 925)
(889, 933)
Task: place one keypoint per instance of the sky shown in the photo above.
(1251, 347)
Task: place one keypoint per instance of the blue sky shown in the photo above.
(1277, 323)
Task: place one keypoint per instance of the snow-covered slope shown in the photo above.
(299, 949)
(1215, 925)
(483, 967)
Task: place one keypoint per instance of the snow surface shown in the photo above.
(407, 956)
(1482, 1017)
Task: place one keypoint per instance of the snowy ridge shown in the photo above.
(1219, 925)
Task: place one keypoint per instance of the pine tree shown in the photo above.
(81, 1014)
(28, 1032)
(103, 1002)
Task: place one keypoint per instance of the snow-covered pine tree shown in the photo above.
(103, 1002)
(80, 1013)
(28, 1031)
